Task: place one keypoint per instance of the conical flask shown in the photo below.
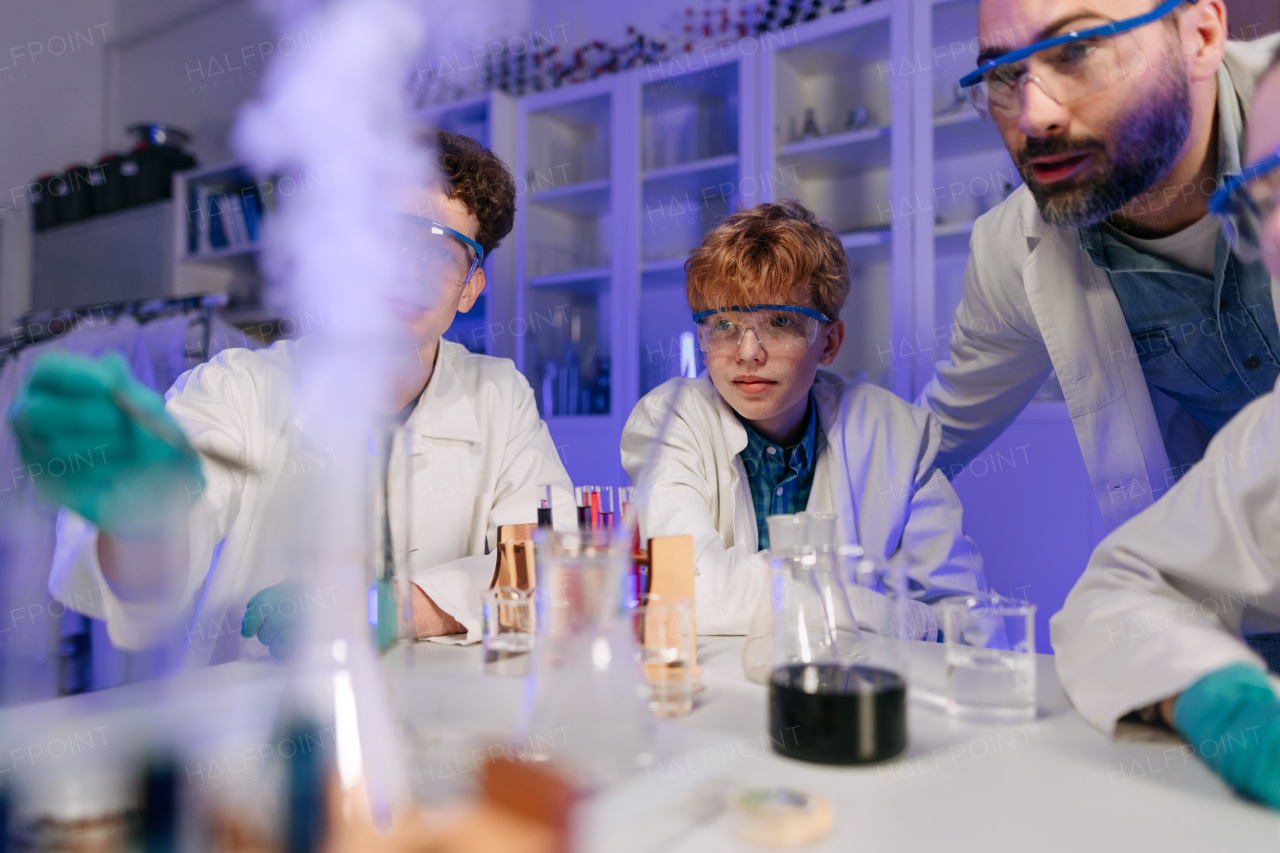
(831, 697)
(585, 703)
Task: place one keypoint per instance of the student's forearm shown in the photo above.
(148, 570)
(429, 620)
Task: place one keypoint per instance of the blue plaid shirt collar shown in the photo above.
(780, 478)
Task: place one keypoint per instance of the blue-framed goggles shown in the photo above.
(1245, 203)
(776, 327)
(434, 249)
(1067, 68)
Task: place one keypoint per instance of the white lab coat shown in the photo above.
(875, 473)
(479, 452)
(1165, 598)
(1034, 302)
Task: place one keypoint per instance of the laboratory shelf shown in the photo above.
(865, 238)
(584, 198)
(693, 168)
(840, 155)
(582, 280)
(959, 134)
(662, 266)
(846, 139)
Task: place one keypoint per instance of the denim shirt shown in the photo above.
(781, 478)
(1211, 345)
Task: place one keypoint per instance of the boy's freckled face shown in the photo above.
(769, 388)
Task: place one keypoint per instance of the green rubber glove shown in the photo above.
(275, 617)
(1232, 719)
(83, 449)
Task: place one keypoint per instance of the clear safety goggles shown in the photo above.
(1245, 203)
(778, 328)
(435, 252)
(1067, 68)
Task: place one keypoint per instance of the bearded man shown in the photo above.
(1107, 267)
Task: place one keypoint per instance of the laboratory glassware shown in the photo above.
(664, 633)
(837, 692)
(991, 659)
(585, 677)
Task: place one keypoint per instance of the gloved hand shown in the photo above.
(84, 450)
(1232, 719)
(275, 616)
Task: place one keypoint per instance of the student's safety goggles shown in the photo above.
(1245, 203)
(1067, 68)
(434, 252)
(778, 328)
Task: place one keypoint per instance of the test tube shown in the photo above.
(544, 507)
(595, 507)
(582, 498)
(606, 507)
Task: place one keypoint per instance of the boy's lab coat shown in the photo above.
(875, 473)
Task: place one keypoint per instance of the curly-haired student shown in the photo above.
(477, 439)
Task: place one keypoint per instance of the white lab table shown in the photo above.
(1055, 784)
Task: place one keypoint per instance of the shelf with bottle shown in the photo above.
(567, 353)
(834, 90)
(222, 208)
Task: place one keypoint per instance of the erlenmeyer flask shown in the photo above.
(586, 702)
(788, 535)
(828, 700)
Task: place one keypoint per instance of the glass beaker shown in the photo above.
(837, 693)
(991, 659)
(585, 694)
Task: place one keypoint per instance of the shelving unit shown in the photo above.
(199, 265)
(571, 268)
(964, 171)
(697, 149)
(838, 73)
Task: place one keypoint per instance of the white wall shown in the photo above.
(52, 90)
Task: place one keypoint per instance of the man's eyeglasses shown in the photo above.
(1245, 203)
(1067, 68)
(777, 327)
(433, 250)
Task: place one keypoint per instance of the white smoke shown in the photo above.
(333, 253)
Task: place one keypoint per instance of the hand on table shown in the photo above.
(84, 450)
(429, 620)
(275, 617)
(1232, 719)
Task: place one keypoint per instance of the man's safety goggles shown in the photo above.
(433, 251)
(777, 327)
(1067, 68)
(1245, 203)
